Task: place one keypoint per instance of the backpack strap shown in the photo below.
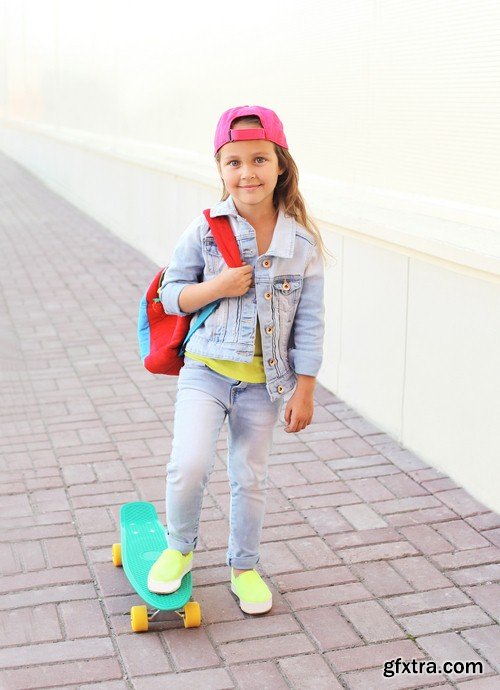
(224, 236)
(228, 247)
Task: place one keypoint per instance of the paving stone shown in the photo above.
(314, 578)
(278, 558)
(44, 578)
(421, 574)
(490, 683)
(380, 578)
(487, 597)
(208, 679)
(487, 642)
(493, 535)
(437, 621)
(375, 680)
(371, 621)
(403, 486)
(363, 461)
(362, 472)
(266, 648)
(190, 651)
(136, 649)
(30, 625)
(328, 629)
(370, 489)
(436, 485)
(420, 517)
(83, 619)
(356, 446)
(316, 471)
(461, 535)
(50, 652)
(471, 557)
(362, 537)
(377, 552)
(330, 487)
(370, 655)
(65, 551)
(450, 647)
(49, 676)
(258, 626)
(263, 675)
(321, 596)
(310, 672)
(462, 502)
(313, 552)
(474, 576)
(405, 504)
(326, 520)
(426, 539)
(426, 601)
(362, 516)
(336, 499)
(29, 556)
(485, 521)
(328, 449)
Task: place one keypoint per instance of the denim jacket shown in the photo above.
(286, 294)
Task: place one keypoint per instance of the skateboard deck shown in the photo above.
(142, 541)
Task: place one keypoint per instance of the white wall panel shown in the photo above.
(451, 409)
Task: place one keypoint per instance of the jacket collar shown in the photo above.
(283, 241)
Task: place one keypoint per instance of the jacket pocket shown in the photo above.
(214, 261)
(217, 323)
(286, 293)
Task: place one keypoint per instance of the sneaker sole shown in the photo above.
(158, 587)
(253, 606)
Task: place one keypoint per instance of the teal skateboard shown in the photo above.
(142, 541)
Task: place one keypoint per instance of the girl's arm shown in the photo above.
(183, 290)
(306, 355)
(231, 282)
(185, 269)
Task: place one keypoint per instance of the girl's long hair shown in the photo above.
(286, 193)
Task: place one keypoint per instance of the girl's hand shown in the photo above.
(299, 411)
(234, 282)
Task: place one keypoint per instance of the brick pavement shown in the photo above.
(370, 553)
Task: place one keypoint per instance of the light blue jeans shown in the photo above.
(204, 399)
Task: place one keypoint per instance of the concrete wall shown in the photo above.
(391, 112)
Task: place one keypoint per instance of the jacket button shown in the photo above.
(266, 263)
(280, 389)
(269, 330)
(272, 362)
(286, 286)
(268, 295)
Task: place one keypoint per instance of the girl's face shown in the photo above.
(250, 171)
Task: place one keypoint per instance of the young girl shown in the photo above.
(264, 340)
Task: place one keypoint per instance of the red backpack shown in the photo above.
(163, 337)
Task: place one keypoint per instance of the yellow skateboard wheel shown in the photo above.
(117, 554)
(139, 618)
(192, 615)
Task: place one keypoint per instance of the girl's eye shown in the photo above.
(258, 158)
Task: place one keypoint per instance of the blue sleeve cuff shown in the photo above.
(169, 295)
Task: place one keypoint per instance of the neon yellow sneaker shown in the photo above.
(166, 573)
(253, 593)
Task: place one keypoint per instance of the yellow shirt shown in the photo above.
(252, 372)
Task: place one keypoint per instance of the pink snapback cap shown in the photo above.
(272, 127)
